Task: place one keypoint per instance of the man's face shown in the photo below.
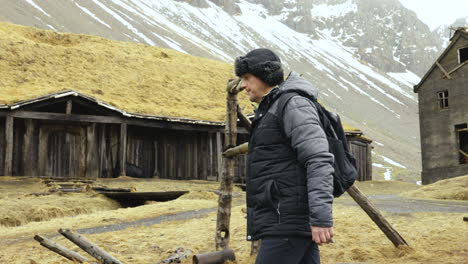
(254, 87)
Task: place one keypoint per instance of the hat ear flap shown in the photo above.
(241, 66)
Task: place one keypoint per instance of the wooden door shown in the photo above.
(62, 151)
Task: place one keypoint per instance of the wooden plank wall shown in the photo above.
(360, 152)
(2, 145)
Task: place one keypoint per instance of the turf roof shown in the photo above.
(133, 77)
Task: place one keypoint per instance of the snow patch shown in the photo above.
(328, 11)
(31, 2)
(91, 14)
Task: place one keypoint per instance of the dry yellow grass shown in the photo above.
(133, 77)
(452, 189)
(434, 237)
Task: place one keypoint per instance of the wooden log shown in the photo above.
(123, 149)
(217, 257)
(9, 124)
(107, 189)
(61, 250)
(89, 247)
(226, 186)
(236, 151)
(375, 215)
(244, 120)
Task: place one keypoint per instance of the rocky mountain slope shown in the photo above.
(361, 54)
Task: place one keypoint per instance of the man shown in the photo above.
(289, 167)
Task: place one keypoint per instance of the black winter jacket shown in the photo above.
(289, 167)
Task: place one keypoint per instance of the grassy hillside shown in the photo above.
(133, 77)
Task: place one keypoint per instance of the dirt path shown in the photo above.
(391, 203)
(396, 204)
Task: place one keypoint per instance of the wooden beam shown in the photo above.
(123, 149)
(9, 125)
(61, 250)
(89, 247)
(116, 120)
(458, 67)
(375, 215)
(236, 151)
(443, 70)
(67, 117)
(463, 153)
(462, 129)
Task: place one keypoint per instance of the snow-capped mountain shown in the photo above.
(361, 54)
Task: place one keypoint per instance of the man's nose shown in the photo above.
(243, 84)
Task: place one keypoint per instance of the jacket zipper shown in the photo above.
(278, 212)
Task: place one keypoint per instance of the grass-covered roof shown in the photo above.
(133, 77)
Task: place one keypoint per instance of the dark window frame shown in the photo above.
(462, 55)
(443, 99)
(461, 131)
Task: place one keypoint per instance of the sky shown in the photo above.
(437, 12)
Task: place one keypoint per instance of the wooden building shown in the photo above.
(70, 134)
(443, 112)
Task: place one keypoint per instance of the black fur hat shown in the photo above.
(262, 63)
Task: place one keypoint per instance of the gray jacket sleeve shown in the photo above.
(302, 126)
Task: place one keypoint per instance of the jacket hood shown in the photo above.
(296, 83)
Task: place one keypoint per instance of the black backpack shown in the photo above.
(345, 163)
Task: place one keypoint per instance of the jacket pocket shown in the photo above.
(270, 198)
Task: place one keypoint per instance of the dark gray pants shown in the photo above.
(288, 251)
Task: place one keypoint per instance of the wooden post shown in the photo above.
(61, 250)
(219, 156)
(369, 162)
(123, 149)
(91, 152)
(28, 148)
(244, 120)
(375, 215)
(225, 192)
(89, 247)
(68, 110)
(8, 168)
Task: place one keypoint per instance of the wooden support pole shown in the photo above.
(90, 248)
(91, 152)
(123, 149)
(28, 166)
(236, 151)
(219, 156)
(68, 110)
(61, 250)
(8, 168)
(227, 181)
(244, 120)
(443, 70)
(375, 215)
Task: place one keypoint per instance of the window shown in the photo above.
(463, 55)
(442, 98)
(462, 137)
